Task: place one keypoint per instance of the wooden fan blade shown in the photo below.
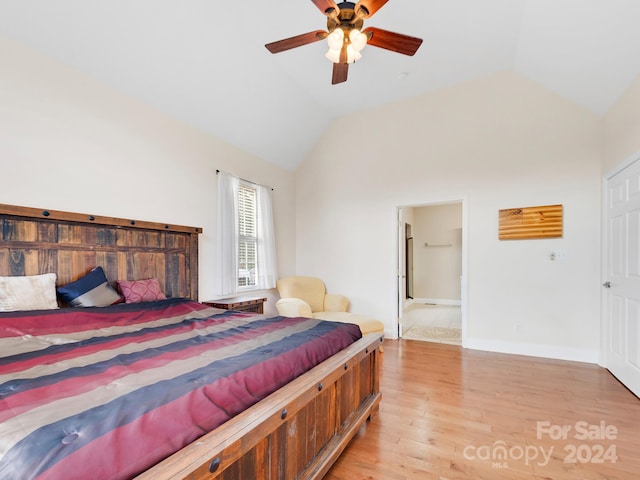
(396, 42)
(297, 41)
(341, 69)
(370, 7)
(327, 6)
(340, 72)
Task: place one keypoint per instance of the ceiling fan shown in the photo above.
(345, 35)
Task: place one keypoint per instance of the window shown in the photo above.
(246, 254)
(247, 236)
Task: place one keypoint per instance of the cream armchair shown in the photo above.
(307, 297)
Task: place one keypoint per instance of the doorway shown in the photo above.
(431, 266)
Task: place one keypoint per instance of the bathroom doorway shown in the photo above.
(431, 265)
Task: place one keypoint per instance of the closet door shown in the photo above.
(622, 282)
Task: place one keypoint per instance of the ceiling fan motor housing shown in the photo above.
(347, 19)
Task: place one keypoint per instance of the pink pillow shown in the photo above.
(136, 291)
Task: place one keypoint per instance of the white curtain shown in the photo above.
(267, 272)
(226, 266)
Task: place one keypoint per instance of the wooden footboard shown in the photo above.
(296, 433)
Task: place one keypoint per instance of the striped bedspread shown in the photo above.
(105, 393)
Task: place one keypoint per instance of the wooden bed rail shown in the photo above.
(298, 432)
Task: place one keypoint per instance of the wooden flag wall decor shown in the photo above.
(530, 222)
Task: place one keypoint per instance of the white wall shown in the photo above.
(69, 143)
(438, 268)
(498, 142)
(622, 129)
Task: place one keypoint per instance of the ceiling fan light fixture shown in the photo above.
(335, 39)
(357, 39)
(352, 54)
(355, 42)
(333, 55)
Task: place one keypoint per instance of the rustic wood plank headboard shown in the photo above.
(35, 241)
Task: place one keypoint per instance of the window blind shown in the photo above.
(247, 235)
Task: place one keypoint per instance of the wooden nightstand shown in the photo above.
(243, 304)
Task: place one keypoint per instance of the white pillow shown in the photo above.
(31, 292)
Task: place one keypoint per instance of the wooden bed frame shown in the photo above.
(296, 433)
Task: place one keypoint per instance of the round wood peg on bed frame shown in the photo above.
(214, 465)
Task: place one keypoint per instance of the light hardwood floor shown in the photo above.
(448, 413)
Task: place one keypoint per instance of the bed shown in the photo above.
(294, 426)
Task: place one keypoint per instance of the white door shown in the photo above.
(622, 282)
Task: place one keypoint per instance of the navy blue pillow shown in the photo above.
(92, 290)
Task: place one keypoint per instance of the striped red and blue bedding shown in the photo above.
(108, 392)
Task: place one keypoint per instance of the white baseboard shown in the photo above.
(437, 301)
(533, 350)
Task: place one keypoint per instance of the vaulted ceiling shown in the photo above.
(204, 61)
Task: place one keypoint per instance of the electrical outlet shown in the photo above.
(558, 256)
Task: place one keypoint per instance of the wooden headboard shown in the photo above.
(35, 241)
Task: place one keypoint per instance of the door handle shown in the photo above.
(606, 284)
